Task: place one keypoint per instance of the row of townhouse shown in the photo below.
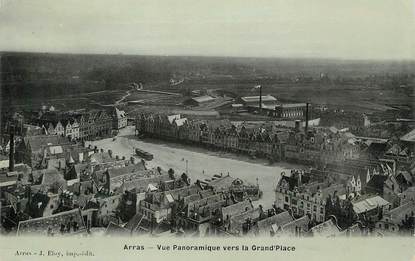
(214, 134)
(302, 195)
(311, 148)
(82, 126)
(319, 148)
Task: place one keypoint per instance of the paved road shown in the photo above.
(202, 164)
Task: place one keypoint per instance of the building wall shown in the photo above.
(301, 204)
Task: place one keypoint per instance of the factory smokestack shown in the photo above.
(260, 99)
(11, 152)
(306, 118)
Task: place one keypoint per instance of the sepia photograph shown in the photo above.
(147, 129)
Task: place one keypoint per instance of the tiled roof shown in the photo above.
(39, 226)
(116, 230)
(115, 172)
(369, 204)
(51, 176)
(264, 226)
(134, 222)
(252, 214)
(377, 182)
(141, 184)
(58, 163)
(204, 98)
(409, 137)
(326, 229)
(180, 122)
(171, 118)
(300, 222)
(119, 113)
(221, 183)
(102, 157)
(236, 209)
(398, 213)
(40, 141)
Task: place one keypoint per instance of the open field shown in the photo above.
(346, 96)
(76, 81)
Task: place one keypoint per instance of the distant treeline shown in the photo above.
(38, 75)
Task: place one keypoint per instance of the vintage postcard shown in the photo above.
(207, 129)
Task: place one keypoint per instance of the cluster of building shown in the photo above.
(370, 198)
(262, 139)
(75, 125)
(355, 186)
(53, 186)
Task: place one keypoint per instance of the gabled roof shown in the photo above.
(180, 122)
(222, 183)
(265, 225)
(58, 163)
(300, 222)
(253, 214)
(201, 99)
(134, 222)
(40, 226)
(326, 229)
(40, 141)
(377, 182)
(132, 168)
(116, 230)
(119, 113)
(102, 157)
(399, 213)
(409, 137)
(48, 176)
(143, 183)
(394, 150)
(51, 177)
(369, 204)
(171, 118)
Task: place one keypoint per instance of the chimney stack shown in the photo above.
(260, 99)
(300, 182)
(297, 125)
(306, 118)
(110, 153)
(11, 148)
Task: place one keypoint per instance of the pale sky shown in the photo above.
(349, 29)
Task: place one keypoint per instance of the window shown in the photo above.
(286, 199)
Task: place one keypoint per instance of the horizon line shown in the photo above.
(218, 56)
